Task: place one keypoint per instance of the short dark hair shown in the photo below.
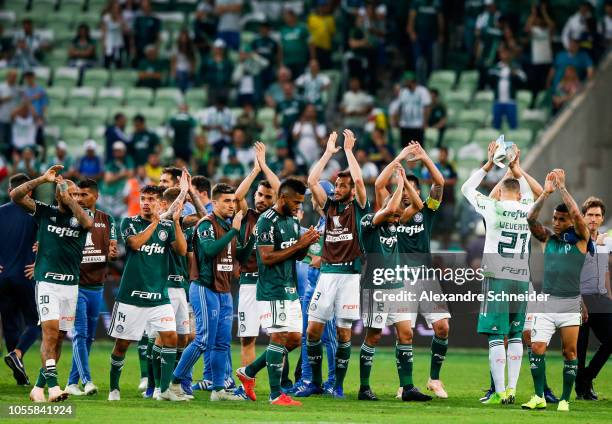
(292, 185)
(594, 202)
(118, 116)
(139, 118)
(561, 207)
(265, 183)
(151, 189)
(222, 188)
(434, 91)
(88, 183)
(414, 179)
(18, 179)
(201, 184)
(511, 184)
(174, 171)
(346, 174)
(171, 194)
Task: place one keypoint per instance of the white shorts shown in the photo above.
(129, 322)
(248, 314)
(178, 300)
(279, 316)
(551, 316)
(430, 317)
(384, 319)
(57, 302)
(336, 295)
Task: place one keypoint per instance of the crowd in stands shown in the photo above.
(116, 90)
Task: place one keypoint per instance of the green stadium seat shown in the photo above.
(471, 118)
(484, 136)
(19, 5)
(265, 116)
(452, 115)
(124, 78)
(533, 119)
(483, 100)
(43, 75)
(443, 80)
(543, 100)
(521, 137)
(66, 19)
(128, 111)
(155, 116)
(110, 96)
(56, 58)
(96, 6)
(81, 97)
(431, 136)
(196, 98)
(92, 19)
(66, 77)
(72, 6)
(39, 19)
(172, 21)
(468, 80)
(456, 99)
(62, 116)
(524, 98)
(93, 116)
(246, 37)
(139, 97)
(456, 137)
(8, 18)
(96, 77)
(57, 95)
(75, 135)
(43, 6)
(168, 98)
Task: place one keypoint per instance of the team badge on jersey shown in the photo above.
(163, 235)
(74, 222)
(418, 217)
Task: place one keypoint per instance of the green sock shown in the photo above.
(315, 359)
(438, 354)
(285, 382)
(157, 364)
(50, 373)
(179, 353)
(115, 371)
(343, 354)
(529, 355)
(142, 356)
(257, 365)
(274, 360)
(569, 376)
(403, 356)
(538, 371)
(41, 381)
(366, 358)
(166, 362)
(150, 373)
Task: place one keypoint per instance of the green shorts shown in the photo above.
(502, 317)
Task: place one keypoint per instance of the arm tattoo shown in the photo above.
(20, 194)
(197, 202)
(436, 192)
(81, 215)
(168, 214)
(538, 230)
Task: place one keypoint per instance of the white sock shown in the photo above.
(497, 363)
(515, 357)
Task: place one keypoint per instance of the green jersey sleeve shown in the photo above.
(41, 211)
(113, 228)
(265, 232)
(128, 229)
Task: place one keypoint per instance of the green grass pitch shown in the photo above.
(465, 374)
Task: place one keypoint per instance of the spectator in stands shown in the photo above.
(361, 54)
(576, 24)
(182, 126)
(202, 162)
(228, 28)
(24, 126)
(322, 27)
(204, 28)
(114, 27)
(505, 79)
(274, 94)
(376, 22)
(216, 71)
(540, 29)
(26, 163)
(29, 47)
(283, 165)
(572, 57)
(246, 76)
(425, 28)
(152, 169)
(142, 144)
(355, 106)
(6, 47)
(247, 120)
(437, 116)
(116, 173)
(313, 85)
(61, 157)
(380, 151)
(412, 111)
(605, 25)
(267, 47)
(288, 111)
(10, 96)
(567, 88)
(309, 135)
(488, 37)
(241, 147)
(591, 41)
(82, 52)
(147, 28)
(217, 121)
(294, 43)
(37, 96)
(115, 132)
(369, 170)
(90, 165)
(150, 69)
(231, 171)
(183, 61)
(446, 220)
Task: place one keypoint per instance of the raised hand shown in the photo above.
(51, 174)
(331, 144)
(29, 271)
(516, 161)
(560, 177)
(237, 220)
(309, 237)
(260, 155)
(491, 151)
(550, 182)
(176, 215)
(113, 251)
(184, 182)
(417, 151)
(349, 140)
(401, 174)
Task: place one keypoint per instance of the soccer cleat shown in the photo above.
(366, 394)
(328, 387)
(148, 394)
(563, 406)
(437, 387)
(16, 365)
(90, 389)
(338, 393)
(487, 395)
(229, 383)
(156, 393)
(57, 395)
(414, 395)
(226, 395)
(114, 395)
(398, 394)
(549, 396)
(178, 388)
(240, 392)
(144, 382)
(248, 383)
(309, 389)
(284, 400)
(74, 390)
(37, 394)
(172, 394)
(510, 396)
(297, 386)
(536, 402)
(496, 399)
(187, 389)
(205, 385)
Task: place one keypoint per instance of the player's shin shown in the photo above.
(514, 358)
(41, 381)
(167, 358)
(117, 363)
(315, 359)
(569, 377)
(537, 364)
(50, 373)
(343, 355)
(274, 360)
(150, 372)
(157, 350)
(257, 365)
(403, 358)
(285, 381)
(142, 356)
(439, 347)
(497, 362)
(366, 359)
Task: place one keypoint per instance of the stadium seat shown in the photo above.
(75, 135)
(72, 6)
(483, 100)
(56, 58)
(92, 19)
(468, 80)
(43, 75)
(452, 115)
(128, 111)
(96, 77)
(93, 116)
(484, 136)
(110, 97)
(66, 19)
(443, 80)
(43, 6)
(523, 98)
(7, 18)
(168, 98)
(139, 97)
(521, 137)
(456, 99)
(196, 98)
(471, 118)
(171, 21)
(62, 116)
(533, 119)
(66, 77)
(81, 97)
(57, 95)
(265, 116)
(96, 5)
(155, 116)
(124, 78)
(456, 137)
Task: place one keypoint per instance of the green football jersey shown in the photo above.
(414, 237)
(562, 266)
(178, 274)
(60, 245)
(381, 248)
(145, 275)
(279, 281)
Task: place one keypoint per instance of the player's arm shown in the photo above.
(270, 257)
(318, 194)
(113, 250)
(180, 200)
(179, 244)
(211, 246)
(83, 217)
(416, 203)
(394, 203)
(382, 181)
(135, 240)
(245, 186)
(20, 194)
(529, 185)
(354, 168)
(538, 230)
(260, 157)
(468, 189)
(437, 184)
(195, 199)
(575, 214)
